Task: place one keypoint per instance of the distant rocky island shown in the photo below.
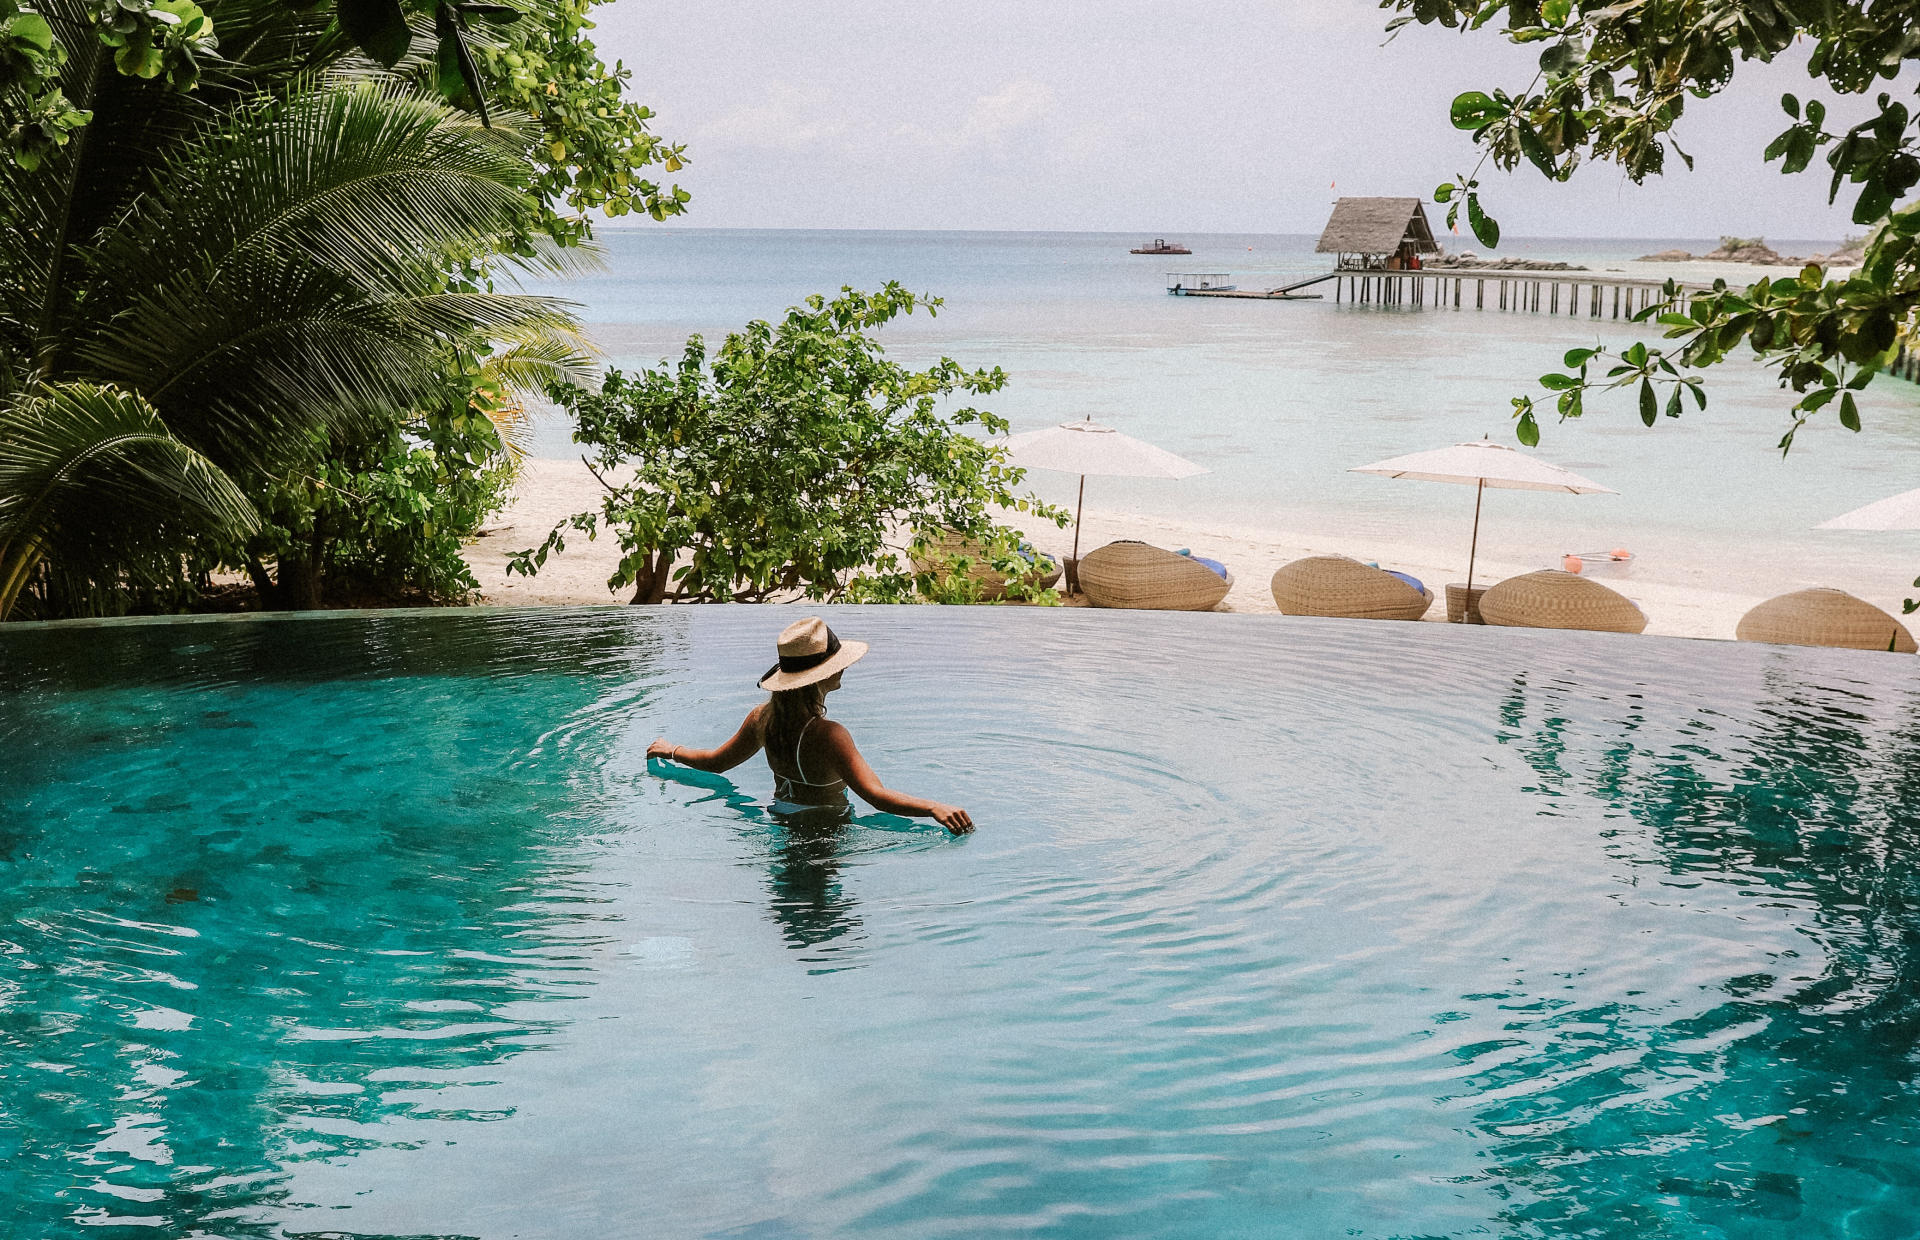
(1469, 261)
(1756, 251)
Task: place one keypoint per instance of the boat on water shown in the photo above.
(1161, 246)
(1182, 283)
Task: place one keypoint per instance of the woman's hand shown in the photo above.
(660, 749)
(952, 817)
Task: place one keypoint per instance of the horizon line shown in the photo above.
(667, 225)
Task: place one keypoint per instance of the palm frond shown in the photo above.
(247, 375)
(522, 369)
(363, 180)
(528, 364)
(93, 471)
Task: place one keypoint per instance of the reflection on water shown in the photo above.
(1798, 1086)
(386, 927)
(808, 899)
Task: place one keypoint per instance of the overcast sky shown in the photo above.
(1144, 117)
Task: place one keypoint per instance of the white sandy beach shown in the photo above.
(550, 490)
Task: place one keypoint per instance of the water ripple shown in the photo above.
(372, 925)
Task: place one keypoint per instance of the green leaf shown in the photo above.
(1673, 401)
(1576, 358)
(32, 29)
(1562, 57)
(1792, 106)
(1800, 147)
(453, 50)
(1873, 204)
(1849, 412)
(1485, 229)
(1555, 12)
(1528, 431)
(1558, 382)
(1536, 151)
(1476, 110)
(378, 28)
(1443, 192)
(1649, 404)
(447, 78)
(139, 60)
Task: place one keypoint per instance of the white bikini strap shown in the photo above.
(797, 764)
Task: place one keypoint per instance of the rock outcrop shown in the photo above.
(1469, 261)
(1756, 252)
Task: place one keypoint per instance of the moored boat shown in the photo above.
(1161, 246)
(1180, 283)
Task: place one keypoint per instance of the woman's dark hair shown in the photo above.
(788, 713)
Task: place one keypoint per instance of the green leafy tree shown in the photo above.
(287, 315)
(1613, 82)
(382, 517)
(269, 281)
(531, 57)
(796, 460)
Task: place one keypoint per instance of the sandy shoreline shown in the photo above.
(551, 490)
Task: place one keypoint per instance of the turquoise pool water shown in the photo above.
(381, 926)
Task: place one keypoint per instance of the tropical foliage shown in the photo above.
(530, 57)
(797, 460)
(1613, 82)
(246, 301)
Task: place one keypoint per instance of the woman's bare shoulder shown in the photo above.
(833, 735)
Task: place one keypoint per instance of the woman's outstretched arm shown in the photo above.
(853, 768)
(736, 749)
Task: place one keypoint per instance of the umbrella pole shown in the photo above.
(1073, 584)
(1479, 492)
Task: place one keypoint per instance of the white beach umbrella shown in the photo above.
(1087, 447)
(1481, 463)
(1899, 512)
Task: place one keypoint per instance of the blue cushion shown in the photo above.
(1215, 565)
(1408, 578)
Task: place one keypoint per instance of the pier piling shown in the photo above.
(1606, 296)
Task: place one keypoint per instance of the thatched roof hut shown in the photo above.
(1378, 233)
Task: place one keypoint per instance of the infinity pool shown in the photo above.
(380, 925)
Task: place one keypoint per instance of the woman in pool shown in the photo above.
(814, 759)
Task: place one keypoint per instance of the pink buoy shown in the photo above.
(1572, 563)
(1621, 553)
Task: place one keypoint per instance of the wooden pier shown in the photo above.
(1255, 294)
(1581, 294)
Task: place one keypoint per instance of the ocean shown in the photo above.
(1280, 399)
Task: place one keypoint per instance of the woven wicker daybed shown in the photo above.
(993, 583)
(1337, 585)
(1551, 599)
(1822, 617)
(1134, 574)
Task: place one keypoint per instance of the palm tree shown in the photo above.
(199, 288)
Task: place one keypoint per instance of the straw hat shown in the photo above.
(809, 652)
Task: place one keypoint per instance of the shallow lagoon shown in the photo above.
(1279, 400)
(380, 926)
